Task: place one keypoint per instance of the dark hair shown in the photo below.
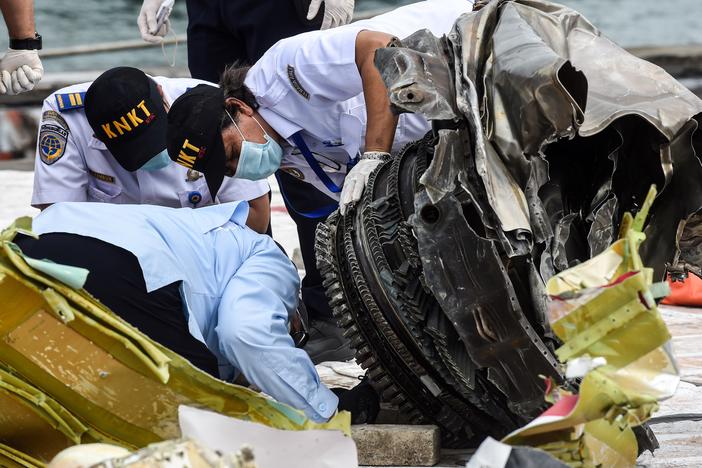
(232, 84)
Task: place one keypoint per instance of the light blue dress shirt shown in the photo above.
(238, 287)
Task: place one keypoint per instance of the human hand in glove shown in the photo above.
(336, 12)
(20, 71)
(148, 24)
(357, 178)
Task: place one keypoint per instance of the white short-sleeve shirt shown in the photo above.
(72, 165)
(310, 83)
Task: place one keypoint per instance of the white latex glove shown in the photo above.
(357, 178)
(20, 71)
(336, 12)
(147, 22)
(5, 81)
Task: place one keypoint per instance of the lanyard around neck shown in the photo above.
(319, 172)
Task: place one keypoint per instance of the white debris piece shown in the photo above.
(86, 455)
(184, 453)
(578, 367)
(274, 447)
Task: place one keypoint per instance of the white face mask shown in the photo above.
(257, 161)
(159, 161)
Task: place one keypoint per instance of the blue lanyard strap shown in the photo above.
(320, 212)
(302, 146)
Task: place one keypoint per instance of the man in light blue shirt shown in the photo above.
(196, 276)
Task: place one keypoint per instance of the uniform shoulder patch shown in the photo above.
(296, 83)
(53, 136)
(70, 101)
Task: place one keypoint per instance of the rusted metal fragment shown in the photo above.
(681, 198)
(448, 162)
(602, 233)
(474, 291)
(554, 141)
(418, 77)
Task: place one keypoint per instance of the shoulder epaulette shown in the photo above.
(70, 101)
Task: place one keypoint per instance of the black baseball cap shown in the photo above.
(194, 136)
(126, 112)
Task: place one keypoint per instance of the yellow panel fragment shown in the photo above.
(106, 381)
(604, 308)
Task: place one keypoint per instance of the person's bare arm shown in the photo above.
(259, 214)
(19, 18)
(381, 121)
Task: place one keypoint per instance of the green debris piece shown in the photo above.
(641, 216)
(72, 276)
(21, 225)
(12, 458)
(660, 289)
(44, 406)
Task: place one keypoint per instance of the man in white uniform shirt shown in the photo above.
(105, 142)
(315, 107)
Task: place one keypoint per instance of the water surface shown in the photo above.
(77, 22)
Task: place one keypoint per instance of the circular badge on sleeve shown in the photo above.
(53, 136)
(296, 173)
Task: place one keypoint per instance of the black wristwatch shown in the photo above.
(33, 43)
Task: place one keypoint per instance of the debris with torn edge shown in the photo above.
(600, 310)
(73, 372)
(544, 133)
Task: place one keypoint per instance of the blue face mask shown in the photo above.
(257, 161)
(159, 161)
